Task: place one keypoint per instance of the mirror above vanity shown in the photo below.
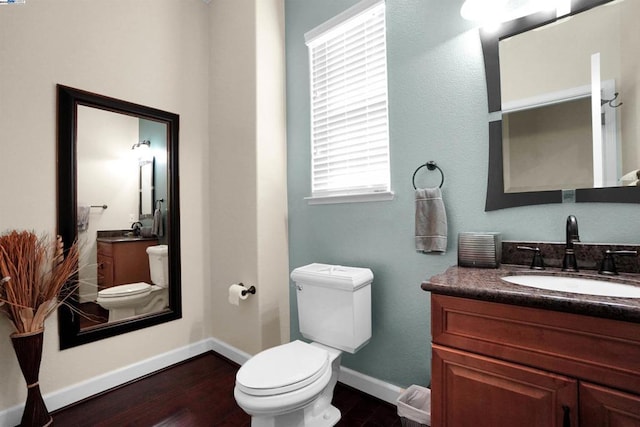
(118, 197)
(563, 106)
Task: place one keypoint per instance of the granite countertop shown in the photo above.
(485, 284)
(117, 236)
(118, 239)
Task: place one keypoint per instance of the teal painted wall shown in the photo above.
(157, 133)
(438, 111)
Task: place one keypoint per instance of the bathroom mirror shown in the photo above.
(122, 206)
(542, 67)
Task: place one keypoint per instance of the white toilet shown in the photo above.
(291, 385)
(133, 299)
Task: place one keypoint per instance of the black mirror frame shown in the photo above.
(68, 101)
(496, 197)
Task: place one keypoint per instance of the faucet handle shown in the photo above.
(537, 263)
(608, 265)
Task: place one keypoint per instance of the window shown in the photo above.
(349, 115)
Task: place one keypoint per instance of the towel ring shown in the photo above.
(431, 165)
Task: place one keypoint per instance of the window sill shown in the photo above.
(351, 198)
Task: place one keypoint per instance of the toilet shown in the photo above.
(134, 299)
(291, 385)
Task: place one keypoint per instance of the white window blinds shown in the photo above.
(349, 117)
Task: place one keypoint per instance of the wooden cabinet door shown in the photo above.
(477, 391)
(601, 406)
(131, 262)
(105, 272)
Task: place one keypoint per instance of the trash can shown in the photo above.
(414, 407)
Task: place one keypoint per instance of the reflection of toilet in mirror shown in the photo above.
(134, 299)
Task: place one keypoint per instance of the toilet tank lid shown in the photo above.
(158, 249)
(333, 276)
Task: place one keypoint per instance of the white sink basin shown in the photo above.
(576, 285)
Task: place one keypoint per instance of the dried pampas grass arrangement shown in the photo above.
(33, 272)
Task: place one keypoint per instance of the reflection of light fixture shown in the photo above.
(142, 151)
(142, 145)
(497, 11)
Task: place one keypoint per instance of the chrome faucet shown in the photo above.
(569, 262)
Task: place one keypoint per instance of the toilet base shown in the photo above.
(318, 412)
(306, 418)
(116, 314)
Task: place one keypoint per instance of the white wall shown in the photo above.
(152, 52)
(528, 59)
(273, 242)
(630, 89)
(107, 175)
(248, 172)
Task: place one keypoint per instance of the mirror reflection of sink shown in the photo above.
(576, 285)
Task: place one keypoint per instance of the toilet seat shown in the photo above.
(130, 289)
(283, 369)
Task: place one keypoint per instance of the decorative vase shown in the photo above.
(28, 348)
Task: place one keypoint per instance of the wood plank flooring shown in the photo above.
(199, 392)
(92, 315)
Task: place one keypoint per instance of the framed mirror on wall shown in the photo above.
(118, 196)
(563, 100)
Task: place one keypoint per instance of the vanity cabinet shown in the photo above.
(499, 365)
(123, 261)
(601, 406)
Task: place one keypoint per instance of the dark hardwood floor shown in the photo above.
(199, 392)
(91, 314)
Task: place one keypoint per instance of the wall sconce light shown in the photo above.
(142, 145)
(142, 151)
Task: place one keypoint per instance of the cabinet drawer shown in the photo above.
(604, 351)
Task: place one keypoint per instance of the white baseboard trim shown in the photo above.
(100, 383)
(369, 385)
(364, 383)
(82, 390)
(232, 353)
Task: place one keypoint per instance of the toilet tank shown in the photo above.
(159, 265)
(334, 304)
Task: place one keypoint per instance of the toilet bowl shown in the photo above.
(291, 385)
(134, 299)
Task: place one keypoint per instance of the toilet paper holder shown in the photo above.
(251, 290)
